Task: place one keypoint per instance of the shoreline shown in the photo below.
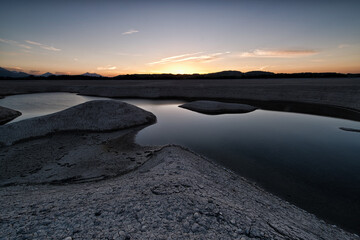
(135, 160)
(342, 92)
(171, 191)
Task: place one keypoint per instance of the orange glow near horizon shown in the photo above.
(180, 69)
(128, 38)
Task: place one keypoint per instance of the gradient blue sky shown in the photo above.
(118, 37)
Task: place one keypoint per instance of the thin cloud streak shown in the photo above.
(33, 43)
(190, 57)
(344, 46)
(278, 53)
(108, 67)
(17, 69)
(43, 46)
(15, 43)
(131, 31)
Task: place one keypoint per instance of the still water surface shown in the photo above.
(303, 158)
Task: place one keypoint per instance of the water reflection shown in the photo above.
(306, 159)
(33, 105)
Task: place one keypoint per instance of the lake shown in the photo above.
(305, 159)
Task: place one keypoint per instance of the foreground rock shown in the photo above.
(213, 107)
(175, 194)
(100, 115)
(146, 192)
(72, 157)
(350, 129)
(6, 115)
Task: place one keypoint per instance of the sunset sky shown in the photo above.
(121, 37)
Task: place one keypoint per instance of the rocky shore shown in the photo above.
(6, 115)
(175, 194)
(101, 185)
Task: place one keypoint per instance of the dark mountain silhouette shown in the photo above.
(258, 74)
(91, 74)
(12, 74)
(6, 74)
(48, 74)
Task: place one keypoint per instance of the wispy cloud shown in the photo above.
(14, 69)
(43, 46)
(131, 31)
(14, 43)
(51, 48)
(278, 53)
(33, 43)
(193, 57)
(108, 67)
(344, 46)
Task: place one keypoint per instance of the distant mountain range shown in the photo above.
(48, 74)
(91, 74)
(6, 74)
(12, 74)
(15, 74)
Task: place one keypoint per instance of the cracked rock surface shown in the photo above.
(175, 194)
(101, 185)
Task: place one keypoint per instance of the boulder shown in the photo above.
(99, 115)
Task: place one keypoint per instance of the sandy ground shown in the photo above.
(342, 92)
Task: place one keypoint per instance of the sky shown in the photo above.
(199, 36)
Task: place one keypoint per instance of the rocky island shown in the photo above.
(214, 107)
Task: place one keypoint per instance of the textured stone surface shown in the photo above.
(99, 115)
(6, 115)
(72, 157)
(175, 194)
(214, 107)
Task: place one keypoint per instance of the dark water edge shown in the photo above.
(306, 160)
(296, 107)
(313, 170)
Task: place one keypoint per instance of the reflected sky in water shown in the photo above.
(305, 159)
(33, 105)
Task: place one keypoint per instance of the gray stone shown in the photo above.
(99, 115)
(213, 107)
(7, 114)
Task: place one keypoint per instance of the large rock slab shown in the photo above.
(100, 115)
(7, 114)
(175, 194)
(214, 107)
